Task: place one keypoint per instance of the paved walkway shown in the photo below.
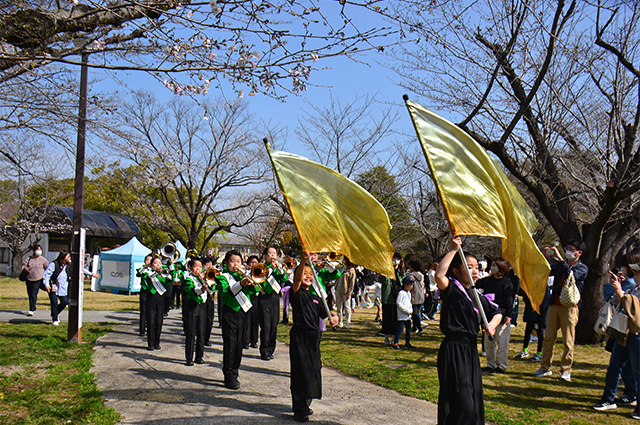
(155, 387)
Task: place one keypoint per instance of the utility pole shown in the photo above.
(74, 332)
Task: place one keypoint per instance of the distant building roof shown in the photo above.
(98, 223)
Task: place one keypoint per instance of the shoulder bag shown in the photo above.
(24, 273)
(604, 318)
(619, 325)
(569, 295)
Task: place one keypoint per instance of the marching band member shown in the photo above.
(460, 399)
(155, 282)
(194, 311)
(251, 319)
(235, 291)
(269, 305)
(209, 306)
(325, 273)
(143, 295)
(304, 348)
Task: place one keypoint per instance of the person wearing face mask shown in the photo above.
(482, 267)
(35, 266)
(497, 288)
(560, 317)
(625, 355)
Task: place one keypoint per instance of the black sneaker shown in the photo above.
(232, 384)
(605, 405)
(300, 417)
(396, 346)
(625, 400)
(488, 369)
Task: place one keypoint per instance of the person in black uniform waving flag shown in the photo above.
(460, 399)
(304, 348)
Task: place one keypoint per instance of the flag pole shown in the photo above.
(474, 290)
(316, 281)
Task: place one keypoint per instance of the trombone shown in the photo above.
(258, 274)
(333, 259)
(288, 264)
(207, 277)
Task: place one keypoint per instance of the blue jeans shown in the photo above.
(57, 305)
(400, 325)
(624, 361)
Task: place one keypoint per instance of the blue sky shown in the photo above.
(342, 78)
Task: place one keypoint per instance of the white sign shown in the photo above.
(116, 274)
(83, 236)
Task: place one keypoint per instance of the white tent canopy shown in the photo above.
(118, 267)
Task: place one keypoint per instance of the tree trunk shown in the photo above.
(592, 301)
(16, 261)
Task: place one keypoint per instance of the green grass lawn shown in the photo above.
(46, 380)
(514, 398)
(13, 296)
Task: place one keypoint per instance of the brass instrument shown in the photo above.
(169, 250)
(191, 253)
(258, 274)
(206, 277)
(333, 259)
(288, 264)
(166, 273)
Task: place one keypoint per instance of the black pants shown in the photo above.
(210, 309)
(33, 287)
(415, 317)
(389, 315)
(232, 341)
(195, 317)
(268, 314)
(168, 298)
(220, 305)
(143, 311)
(430, 304)
(155, 316)
(177, 295)
(251, 324)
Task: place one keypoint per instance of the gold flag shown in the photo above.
(478, 198)
(333, 213)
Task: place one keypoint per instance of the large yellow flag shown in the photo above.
(334, 214)
(478, 198)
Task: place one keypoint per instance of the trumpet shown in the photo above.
(258, 274)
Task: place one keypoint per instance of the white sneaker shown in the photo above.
(566, 376)
(387, 340)
(56, 323)
(533, 338)
(347, 325)
(341, 325)
(30, 313)
(541, 373)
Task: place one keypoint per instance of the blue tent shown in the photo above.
(118, 267)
